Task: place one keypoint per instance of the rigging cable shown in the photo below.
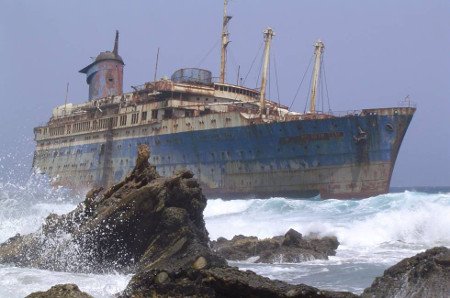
(276, 80)
(321, 83)
(308, 94)
(234, 60)
(326, 86)
(253, 62)
(207, 54)
(259, 72)
(301, 82)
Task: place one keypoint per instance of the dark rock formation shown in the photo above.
(154, 227)
(217, 282)
(425, 275)
(144, 216)
(61, 291)
(290, 248)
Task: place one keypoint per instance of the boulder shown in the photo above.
(290, 248)
(425, 275)
(61, 291)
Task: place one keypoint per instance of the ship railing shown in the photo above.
(407, 103)
(345, 113)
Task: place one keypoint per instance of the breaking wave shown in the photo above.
(401, 223)
(23, 208)
(374, 233)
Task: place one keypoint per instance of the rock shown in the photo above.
(61, 291)
(292, 238)
(219, 282)
(153, 227)
(292, 248)
(200, 263)
(425, 275)
(144, 217)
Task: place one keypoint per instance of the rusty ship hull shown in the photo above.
(351, 156)
(237, 142)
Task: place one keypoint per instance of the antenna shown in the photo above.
(237, 79)
(65, 101)
(156, 65)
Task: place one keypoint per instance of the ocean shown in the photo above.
(374, 233)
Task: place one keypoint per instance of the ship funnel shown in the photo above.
(105, 75)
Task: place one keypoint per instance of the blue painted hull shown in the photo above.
(340, 157)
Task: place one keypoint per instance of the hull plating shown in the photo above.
(342, 157)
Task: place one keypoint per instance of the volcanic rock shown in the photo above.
(61, 291)
(143, 217)
(290, 248)
(151, 226)
(425, 275)
(217, 282)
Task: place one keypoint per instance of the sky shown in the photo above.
(376, 53)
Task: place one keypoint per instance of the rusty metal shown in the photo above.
(105, 75)
(215, 130)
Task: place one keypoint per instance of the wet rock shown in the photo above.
(154, 227)
(144, 217)
(219, 282)
(292, 248)
(425, 275)
(61, 291)
(292, 238)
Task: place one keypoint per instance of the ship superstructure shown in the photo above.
(236, 141)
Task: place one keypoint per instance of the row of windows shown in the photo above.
(236, 90)
(56, 131)
(98, 124)
(77, 127)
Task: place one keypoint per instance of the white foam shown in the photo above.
(220, 207)
(381, 229)
(19, 282)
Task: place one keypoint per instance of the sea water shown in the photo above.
(374, 234)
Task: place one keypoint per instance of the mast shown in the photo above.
(268, 34)
(65, 101)
(225, 42)
(319, 46)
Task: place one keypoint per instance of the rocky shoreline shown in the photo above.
(153, 227)
(290, 248)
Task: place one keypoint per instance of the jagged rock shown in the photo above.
(292, 238)
(152, 226)
(218, 282)
(114, 229)
(61, 291)
(425, 275)
(291, 248)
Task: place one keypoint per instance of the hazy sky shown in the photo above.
(377, 52)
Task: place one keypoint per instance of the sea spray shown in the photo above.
(374, 233)
(23, 208)
(407, 218)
